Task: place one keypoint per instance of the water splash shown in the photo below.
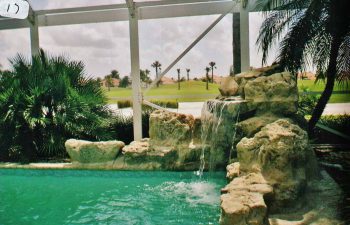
(197, 192)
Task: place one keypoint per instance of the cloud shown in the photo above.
(105, 46)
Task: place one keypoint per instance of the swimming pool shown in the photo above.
(108, 197)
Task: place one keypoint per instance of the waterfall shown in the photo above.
(217, 121)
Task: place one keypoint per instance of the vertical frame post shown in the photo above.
(236, 43)
(34, 35)
(244, 30)
(135, 70)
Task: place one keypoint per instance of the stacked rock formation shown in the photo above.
(275, 165)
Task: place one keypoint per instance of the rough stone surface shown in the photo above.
(93, 152)
(228, 87)
(277, 93)
(249, 127)
(243, 201)
(233, 171)
(140, 153)
(243, 78)
(137, 148)
(319, 205)
(167, 129)
(197, 131)
(281, 152)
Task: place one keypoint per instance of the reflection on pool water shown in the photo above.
(108, 197)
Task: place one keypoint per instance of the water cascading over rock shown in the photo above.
(274, 165)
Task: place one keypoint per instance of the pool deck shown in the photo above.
(37, 166)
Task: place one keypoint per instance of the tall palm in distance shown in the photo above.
(178, 79)
(188, 74)
(212, 66)
(207, 69)
(157, 65)
(109, 82)
(115, 74)
(318, 35)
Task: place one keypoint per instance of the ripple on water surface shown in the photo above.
(108, 197)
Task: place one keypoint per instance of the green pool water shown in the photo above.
(108, 197)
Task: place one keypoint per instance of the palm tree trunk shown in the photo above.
(207, 82)
(157, 76)
(212, 75)
(178, 81)
(326, 94)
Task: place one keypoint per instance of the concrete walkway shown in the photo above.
(195, 109)
(337, 108)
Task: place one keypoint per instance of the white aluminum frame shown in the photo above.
(133, 12)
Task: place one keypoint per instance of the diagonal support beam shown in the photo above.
(200, 37)
(154, 105)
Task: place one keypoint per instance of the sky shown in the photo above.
(105, 46)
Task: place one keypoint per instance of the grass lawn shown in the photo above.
(319, 86)
(340, 98)
(193, 91)
(189, 91)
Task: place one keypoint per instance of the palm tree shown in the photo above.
(115, 74)
(144, 75)
(207, 69)
(109, 81)
(212, 66)
(45, 101)
(157, 65)
(318, 35)
(188, 74)
(178, 79)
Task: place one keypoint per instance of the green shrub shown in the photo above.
(307, 103)
(122, 127)
(340, 123)
(166, 104)
(44, 102)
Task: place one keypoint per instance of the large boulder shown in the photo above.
(277, 93)
(251, 126)
(169, 130)
(140, 153)
(233, 171)
(228, 87)
(242, 201)
(93, 152)
(243, 78)
(281, 152)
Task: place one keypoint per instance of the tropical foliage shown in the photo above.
(157, 66)
(144, 76)
(124, 127)
(43, 102)
(115, 74)
(318, 35)
(124, 82)
(212, 67)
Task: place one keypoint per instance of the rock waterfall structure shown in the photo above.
(274, 176)
(254, 131)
